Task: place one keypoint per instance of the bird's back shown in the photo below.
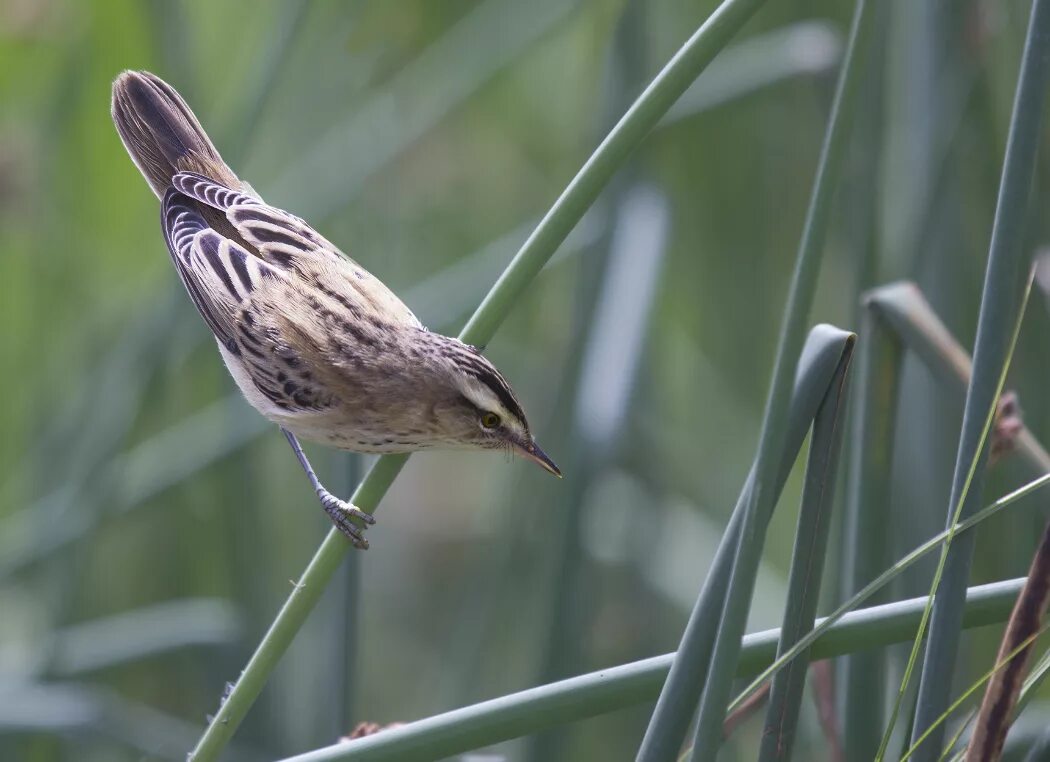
(292, 315)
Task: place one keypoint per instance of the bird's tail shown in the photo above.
(161, 134)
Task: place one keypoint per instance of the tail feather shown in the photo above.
(162, 134)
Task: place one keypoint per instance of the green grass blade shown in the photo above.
(771, 440)
(821, 357)
(939, 722)
(608, 690)
(654, 102)
(972, 474)
(1000, 305)
(888, 576)
(807, 564)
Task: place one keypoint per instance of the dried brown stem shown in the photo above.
(1000, 697)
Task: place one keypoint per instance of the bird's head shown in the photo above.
(479, 409)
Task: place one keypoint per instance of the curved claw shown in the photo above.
(342, 514)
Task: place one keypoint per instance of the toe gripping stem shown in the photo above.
(343, 515)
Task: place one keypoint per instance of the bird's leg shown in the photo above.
(339, 511)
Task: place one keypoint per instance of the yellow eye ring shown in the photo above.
(489, 420)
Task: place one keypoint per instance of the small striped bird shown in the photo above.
(315, 343)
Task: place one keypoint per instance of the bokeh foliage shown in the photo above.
(425, 138)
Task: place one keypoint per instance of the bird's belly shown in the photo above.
(334, 430)
(354, 428)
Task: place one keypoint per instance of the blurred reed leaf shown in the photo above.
(128, 481)
(245, 111)
(625, 301)
(89, 428)
(636, 242)
(1008, 265)
(490, 36)
(1040, 750)
(444, 297)
(608, 690)
(567, 211)
(1035, 678)
(802, 49)
(759, 507)
(74, 710)
(611, 347)
(140, 634)
(1042, 274)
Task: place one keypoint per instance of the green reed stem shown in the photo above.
(595, 693)
(868, 549)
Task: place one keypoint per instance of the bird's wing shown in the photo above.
(289, 244)
(227, 284)
(217, 273)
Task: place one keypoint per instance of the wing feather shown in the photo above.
(218, 274)
(235, 293)
(209, 192)
(290, 245)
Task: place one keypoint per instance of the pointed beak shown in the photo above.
(536, 455)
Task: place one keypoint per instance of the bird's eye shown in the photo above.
(489, 420)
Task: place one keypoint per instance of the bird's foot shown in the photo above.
(343, 514)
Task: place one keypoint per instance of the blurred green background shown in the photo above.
(151, 523)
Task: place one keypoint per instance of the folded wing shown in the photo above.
(291, 246)
(233, 290)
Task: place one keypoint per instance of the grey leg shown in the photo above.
(340, 512)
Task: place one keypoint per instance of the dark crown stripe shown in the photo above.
(495, 382)
(505, 396)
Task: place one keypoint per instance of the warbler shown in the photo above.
(315, 342)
